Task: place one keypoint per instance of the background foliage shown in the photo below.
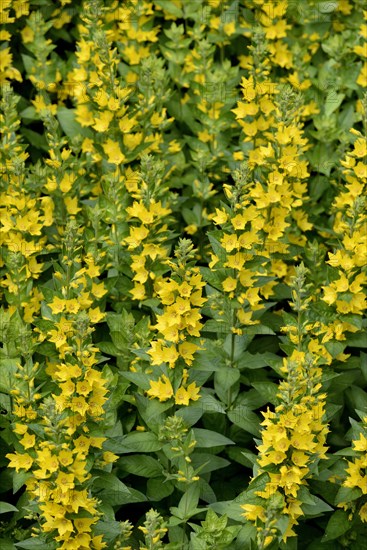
(183, 268)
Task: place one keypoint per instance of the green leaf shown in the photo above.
(110, 348)
(325, 489)
(151, 410)
(30, 113)
(134, 442)
(19, 479)
(318, 185)
(35, 543)
(338, 525)
(109, 529)
(347, 494)
(37, 140)
(189, 501)
(206, 492)
(196, 543)
(246, 419)
(317, 507)
(332, 102)
(257, 360)
(140, 465)
(208, 438)
(6, 544)
(110, 489)
(218, 326)
(139, 378)
(268, 390)
(258, 483)
(245, 458)
(364, 364)
(191, 414)
(6, 507)
(224, 380)
(209, 404)
(357, 397)
(159, 488)
(245, 536)
(208, 462)
(8, 369)
(322, 158)
(357, 341)
(232, 509)
(210, 359)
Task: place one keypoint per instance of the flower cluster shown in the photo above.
(181, 296)
(126, 127)
(345, 291)
(181, 443)
(23, 217)
(356, 474)
(154, 529)
(294, 434)
(148, 232)
(58, 456)
(239, 240)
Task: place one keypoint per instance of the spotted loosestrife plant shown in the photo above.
(149, 226)
(58, 455)
(165, 166)
(24, 217)
(294, 434)
(177, 327)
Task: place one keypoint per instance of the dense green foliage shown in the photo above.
(183, 268)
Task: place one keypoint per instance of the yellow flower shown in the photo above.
(109, 457)
(362, 77)
(102, 123)
(162, 389)
(83, 115)
(20, 429)
(363, 512)
(170, 355)
(229, 242)
(138, 210)
(137, 235)
(229, 284)
(360, 444)
(113, 152)
(28, 441)
(63, 526)
(181, 396)
(19, 461)
(138, 292)
(193, 391)
(67, 182)
(245, 317)
(71, 204)
(83, 525)
(187, 350)
(360, 147)
(65, 481)
(79, 405)
(220, 217)
(96, 315)
(98, 290)
(253, 512)
(81, 445)
(131, 141)
(65, 457)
